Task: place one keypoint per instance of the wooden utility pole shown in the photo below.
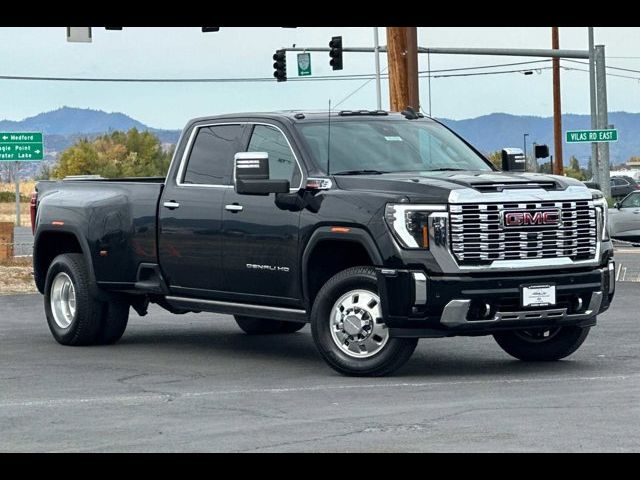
(402, 54)
(558, 168)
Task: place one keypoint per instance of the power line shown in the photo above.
(240, 79)
(608, 66)
(358, 89)
(349, 77)
(486, 66)
(608, 74)
(489, 73)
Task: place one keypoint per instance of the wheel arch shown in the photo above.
(356, 246)
(49, 243)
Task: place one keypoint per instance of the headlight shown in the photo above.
(602, 211)
(410, 223)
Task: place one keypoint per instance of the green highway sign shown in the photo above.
(21, 146)
(580, 136)
(304, 64)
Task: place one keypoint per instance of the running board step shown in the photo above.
(233, 308)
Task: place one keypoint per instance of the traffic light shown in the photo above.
(280, 64)
(336, 53)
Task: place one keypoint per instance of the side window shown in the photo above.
(282, 163)
(211, 158)
(632, 201)
(619, 182)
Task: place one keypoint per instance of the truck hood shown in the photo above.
(436, 187)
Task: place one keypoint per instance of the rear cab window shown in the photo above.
(210, 160)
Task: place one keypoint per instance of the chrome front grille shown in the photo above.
(479, 236)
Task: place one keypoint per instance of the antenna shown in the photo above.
(329, 141)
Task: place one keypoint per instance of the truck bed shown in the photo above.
(118, 219)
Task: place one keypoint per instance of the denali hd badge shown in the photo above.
(531, 218)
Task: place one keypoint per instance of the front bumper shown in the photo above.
(415, 304)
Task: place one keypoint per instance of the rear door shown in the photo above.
(190, 211)
(260, 233)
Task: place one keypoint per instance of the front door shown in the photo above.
(190, 212)
(626, 220)
(260, 234)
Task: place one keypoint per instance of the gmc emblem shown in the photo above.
(527, 219)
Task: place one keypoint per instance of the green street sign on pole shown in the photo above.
(304, 64)
(588, 136)
(21, 146)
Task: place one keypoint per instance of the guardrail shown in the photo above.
(19, 249)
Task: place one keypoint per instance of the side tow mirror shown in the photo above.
(251, 175)
(513, 160)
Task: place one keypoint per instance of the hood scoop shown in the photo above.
(499, 187)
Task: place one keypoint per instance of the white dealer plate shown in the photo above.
(538, 295)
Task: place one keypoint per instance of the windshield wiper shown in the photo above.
(447, 169)
(360, 172)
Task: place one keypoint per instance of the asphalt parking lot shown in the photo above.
(196, 383)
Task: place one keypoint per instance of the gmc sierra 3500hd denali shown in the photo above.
(377, 228)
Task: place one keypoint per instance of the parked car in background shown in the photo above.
(624, 218)
(621, 186)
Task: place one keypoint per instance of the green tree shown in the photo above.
(574, 170)
(45, 172)
(496, 159)
(115, 155)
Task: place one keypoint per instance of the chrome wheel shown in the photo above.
(537, 335)
(63, 300)
(357, 327)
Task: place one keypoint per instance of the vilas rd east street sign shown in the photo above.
(580, 136)
(21, 146)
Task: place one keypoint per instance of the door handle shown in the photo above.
(171, 205)
(233, 208)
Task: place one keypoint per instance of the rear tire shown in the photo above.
(348, 328)
(114, 322)
(74, 315)
(533, 346)
(264, 326)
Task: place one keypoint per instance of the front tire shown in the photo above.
(264, 326)
(542, 345)
(348, 328)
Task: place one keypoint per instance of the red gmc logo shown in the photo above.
(526, 219)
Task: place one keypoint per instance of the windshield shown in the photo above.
(384, 146)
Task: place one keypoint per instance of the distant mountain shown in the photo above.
(497, 130)
(69, 121)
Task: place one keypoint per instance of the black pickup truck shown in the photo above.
(377, 228)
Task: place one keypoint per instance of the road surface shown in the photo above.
(197, 383)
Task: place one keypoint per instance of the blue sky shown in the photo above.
(247, 51)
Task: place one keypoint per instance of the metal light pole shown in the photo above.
(595, 165)
(376, 46)
(17, 180)
(525, 135)
(603, 120)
